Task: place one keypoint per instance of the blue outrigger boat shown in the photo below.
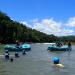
(13, 47)
(57, 48)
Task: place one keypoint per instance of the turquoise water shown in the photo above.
(38, 61)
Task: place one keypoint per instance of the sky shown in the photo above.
(48, 16)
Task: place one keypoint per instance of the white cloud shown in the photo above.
(25, 23)
(67, 32)
(71, 22)
(50, 26)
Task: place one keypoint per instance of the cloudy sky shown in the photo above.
(49, 16)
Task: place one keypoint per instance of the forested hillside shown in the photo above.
(10, 31)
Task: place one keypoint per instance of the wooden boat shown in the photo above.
(13, 47)
(57, 48)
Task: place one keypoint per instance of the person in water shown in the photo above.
(11, 59)
(6, 56)
(69, 45)
(7, 52)
(23, 52)
(56, 62)
(16, 54)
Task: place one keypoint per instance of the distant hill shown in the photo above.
(10, 31)
(67, 38)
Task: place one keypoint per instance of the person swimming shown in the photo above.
(11, 59)
(23, 52)
(56, 62)
(16, 54)
(6, 56)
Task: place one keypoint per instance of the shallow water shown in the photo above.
(38, 61)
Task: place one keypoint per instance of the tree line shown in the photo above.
(10, 31)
